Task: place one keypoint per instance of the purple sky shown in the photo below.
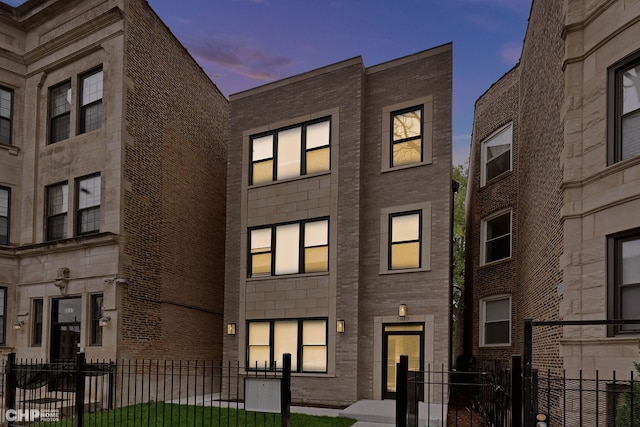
(243, 44)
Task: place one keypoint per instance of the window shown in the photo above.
(624, 280)
(624, 109)
(495, 320)
(96, 314)
(404, 244)
(57, 198)
(38, 306)
(88, 197)
(496, 154)
(496, 238)
(300, 247)
(91, 101)
(406, 138)
(291, 152)
(6, 115)
(4, 215)
(59, 112)
(304, 339)
(3, 315)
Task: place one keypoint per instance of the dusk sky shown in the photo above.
(242, 44)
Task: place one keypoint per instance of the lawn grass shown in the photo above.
(157, 414)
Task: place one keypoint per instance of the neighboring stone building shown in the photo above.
(554, 192)
(112, 185)
(339, 225)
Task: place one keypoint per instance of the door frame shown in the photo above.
(385, 347)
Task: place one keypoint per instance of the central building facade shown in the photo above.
(339, 225)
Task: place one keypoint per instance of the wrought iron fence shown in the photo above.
(135, 393)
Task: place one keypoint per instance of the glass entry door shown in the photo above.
(65, 328)
(400, 339)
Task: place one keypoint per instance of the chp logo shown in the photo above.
(31, 415)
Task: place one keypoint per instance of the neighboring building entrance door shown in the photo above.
(66, 315)
(400, 339)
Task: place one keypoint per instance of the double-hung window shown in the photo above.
(624, 280)
(406, 240)
(291, 152)
(6, 115)
(496, 238)
(88, 197)
(299, 247)
(496, 154)
(4, 215)
(406, 137)
(60, 112)
(90, 101)
(304, 339)
(495, 320)
(57, 207)
(624, 110)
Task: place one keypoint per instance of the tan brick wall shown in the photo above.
(174, 205)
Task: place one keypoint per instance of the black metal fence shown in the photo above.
(138, 393)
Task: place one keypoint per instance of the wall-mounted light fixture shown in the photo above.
(18, 324)
(340, 326)
(231, 328)
(104, 321)
(402, 310)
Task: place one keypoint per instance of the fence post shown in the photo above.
(528, 356)
(79, 377)
(516, 390)
(11, 380)
(285, 390)
(402, 373)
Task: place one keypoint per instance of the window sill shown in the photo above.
(287, 276)
(495, 345)
(406, 270)
(498, 262)
(497, 179)
(287, 180)
(12, 149)
(398, 168)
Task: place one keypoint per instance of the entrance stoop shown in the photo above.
(382, 413)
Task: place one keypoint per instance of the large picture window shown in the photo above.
(291, 152)
(304, 339)
(624, 110)
(57, 207)
(90, 101)
(88, 197)
(495, 321)
(6, 115)
(299, 247)
(496, 238)
(60, 112)
(496, 154)
(624, 280)
(406, 137)
(4, 215)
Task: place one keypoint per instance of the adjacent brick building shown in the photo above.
(338, 225)
(112, 185)
(554, 193)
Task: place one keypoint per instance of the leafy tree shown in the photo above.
(628, 410)
(459, 175)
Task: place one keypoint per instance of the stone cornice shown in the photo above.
(58, 246)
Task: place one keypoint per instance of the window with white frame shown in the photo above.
(496, 238)
(57, 207)
(6, 115)
(495, 321)
(291, 152)
(496, 154)
(90, 101)
(304, 339)
(5, 196)
(88, 199)
(291, 248)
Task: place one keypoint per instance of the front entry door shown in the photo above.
(65, 328)
(400, 339)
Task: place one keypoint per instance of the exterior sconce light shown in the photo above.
(402, 310)
(231, 328)
(104, 321)
(340, 326)
(17, 325)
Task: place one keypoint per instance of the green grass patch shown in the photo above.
(157, 414)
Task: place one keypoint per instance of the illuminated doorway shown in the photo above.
(400, 339)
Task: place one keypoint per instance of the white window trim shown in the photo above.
(483, 153)
(483, 308)
(483, 237)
